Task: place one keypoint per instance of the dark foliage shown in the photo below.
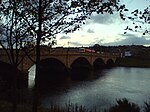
(140, 20)
(124, 106)
(147, 106)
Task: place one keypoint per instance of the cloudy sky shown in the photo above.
(106, 30)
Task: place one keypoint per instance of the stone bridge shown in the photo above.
(66, 56)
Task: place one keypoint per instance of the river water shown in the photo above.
(102, 91)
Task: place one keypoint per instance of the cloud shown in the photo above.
(103, 19)
(90, 31)
(129, 40)
(65, 37)
(78, 44)
(98, 41)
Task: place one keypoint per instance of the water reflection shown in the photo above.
(31, 76)
(80, 74)
(102, 88)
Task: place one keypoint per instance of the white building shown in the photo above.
(127, 54)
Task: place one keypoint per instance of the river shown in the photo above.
(102, 92)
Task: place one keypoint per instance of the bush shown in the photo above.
(124, 106)
(69, 108)
(147, 106)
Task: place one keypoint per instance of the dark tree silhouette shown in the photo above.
(13, 37)
(47, 18)
(140, 20)
(42, 20)
(123, 105)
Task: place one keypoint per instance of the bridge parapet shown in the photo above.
(66, 56)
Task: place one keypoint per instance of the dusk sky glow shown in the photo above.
(106, 30)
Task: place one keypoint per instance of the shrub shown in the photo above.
(124, 106)
(147, 106)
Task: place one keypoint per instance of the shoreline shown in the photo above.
(133, 62)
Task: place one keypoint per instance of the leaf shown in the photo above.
(136, 11)
(146, 31)
(122, 6)
(126, 10)
(130, 29)
(140, 12)
(43, 39)
(129, 17)
(126, 28)
(123, 18)
(74, 4)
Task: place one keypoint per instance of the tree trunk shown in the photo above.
(14, 89)
(35, 100)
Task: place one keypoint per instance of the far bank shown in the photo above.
(133, 62)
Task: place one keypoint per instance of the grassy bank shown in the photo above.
(6, 106)
(122, 105)
(133, 62)
(25, 105)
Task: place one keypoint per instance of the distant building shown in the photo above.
(127, 54)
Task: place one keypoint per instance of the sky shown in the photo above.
(107, 30)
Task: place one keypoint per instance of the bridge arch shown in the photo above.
(80, 62)
(51, 70)
(52, 64)
(6, 76)
(80, 68)
(98, 63)
(27, 63)
(110, 62)
(51, 61)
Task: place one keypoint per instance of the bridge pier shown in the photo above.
(23, 79)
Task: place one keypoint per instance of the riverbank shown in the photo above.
(133, 62)
(122, 105)
(100, 94)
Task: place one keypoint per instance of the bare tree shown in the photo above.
(47, 18)
(13, 37)
(44, 19)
